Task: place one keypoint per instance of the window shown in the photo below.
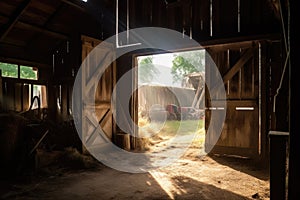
(9, 70)
(28, 73)
(18, 71)
(37, 96)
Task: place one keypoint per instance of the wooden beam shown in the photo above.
(278, 158)
(1, 92)
(45, 25)
(14, 43)
(42, 30)
(230, 41)
(14, 19)
(25, 25)
(10, 52)
(75, 5)
(240, 63)
(232, 71)
(24, 62)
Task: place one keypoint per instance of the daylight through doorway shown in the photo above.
(171, 96)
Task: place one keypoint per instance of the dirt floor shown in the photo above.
(73, 176)
(192, 177)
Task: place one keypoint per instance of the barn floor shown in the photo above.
(192, 177)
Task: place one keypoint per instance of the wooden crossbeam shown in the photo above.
(75, 5)
(20, 54)
(45, 25)
(43, 30)
(239, 64)
(25, 25)
(14, 19)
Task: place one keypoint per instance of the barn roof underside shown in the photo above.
(31, 30)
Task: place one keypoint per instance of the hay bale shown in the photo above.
(71, 158)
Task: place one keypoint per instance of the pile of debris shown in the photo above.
(29, 145)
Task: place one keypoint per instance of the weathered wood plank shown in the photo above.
(245, 58)
(1, 91)
(18, 97)
(14, 19)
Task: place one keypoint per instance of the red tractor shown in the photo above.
(183, 113)
(173, 112)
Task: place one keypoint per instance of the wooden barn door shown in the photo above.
(102, 104)
(239, 67)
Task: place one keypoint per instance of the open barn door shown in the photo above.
(239, 66)
(103, 94)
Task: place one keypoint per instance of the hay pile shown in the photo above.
(15, 144)
(57, 162)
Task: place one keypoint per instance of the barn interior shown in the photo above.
(46, 135)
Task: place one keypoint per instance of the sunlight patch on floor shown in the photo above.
(167, 184)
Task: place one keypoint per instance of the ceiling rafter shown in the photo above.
(16, 52)
(45, 25)
(14, 19)
(39, 29)
(24, 62)
(43, 30)
(76, 5)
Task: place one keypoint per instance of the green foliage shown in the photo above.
(146, 71)
(27, 73)
(9, 70)
(187, 62)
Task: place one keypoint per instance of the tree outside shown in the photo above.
(28, 73)
(187, 62)
(147, 70)
(11, 70)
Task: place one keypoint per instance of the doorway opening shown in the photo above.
(170, 100)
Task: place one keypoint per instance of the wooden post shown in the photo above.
(26, 103)
(64, 102)
(44, 97)
(1, 91)
(18, 97)
(294, 129)
(264, 111)
(52, 105)
(123, 141)
(278, 164)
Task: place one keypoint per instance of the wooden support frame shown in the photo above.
(240, 69)
(1, 91)
(239, 64)
(58, 10)
(98, 113)
(20, 10)
(42, 30)
(75, 5)
(233, 70)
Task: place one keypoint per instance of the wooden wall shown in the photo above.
(252, 85)
(66, 60)
(16, 94)
(239, 68)
(204, 19)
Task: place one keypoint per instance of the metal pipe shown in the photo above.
(117, 27)
(127, 25)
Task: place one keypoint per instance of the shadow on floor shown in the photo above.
(193, 189)
(245, 165)
(109, 184)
